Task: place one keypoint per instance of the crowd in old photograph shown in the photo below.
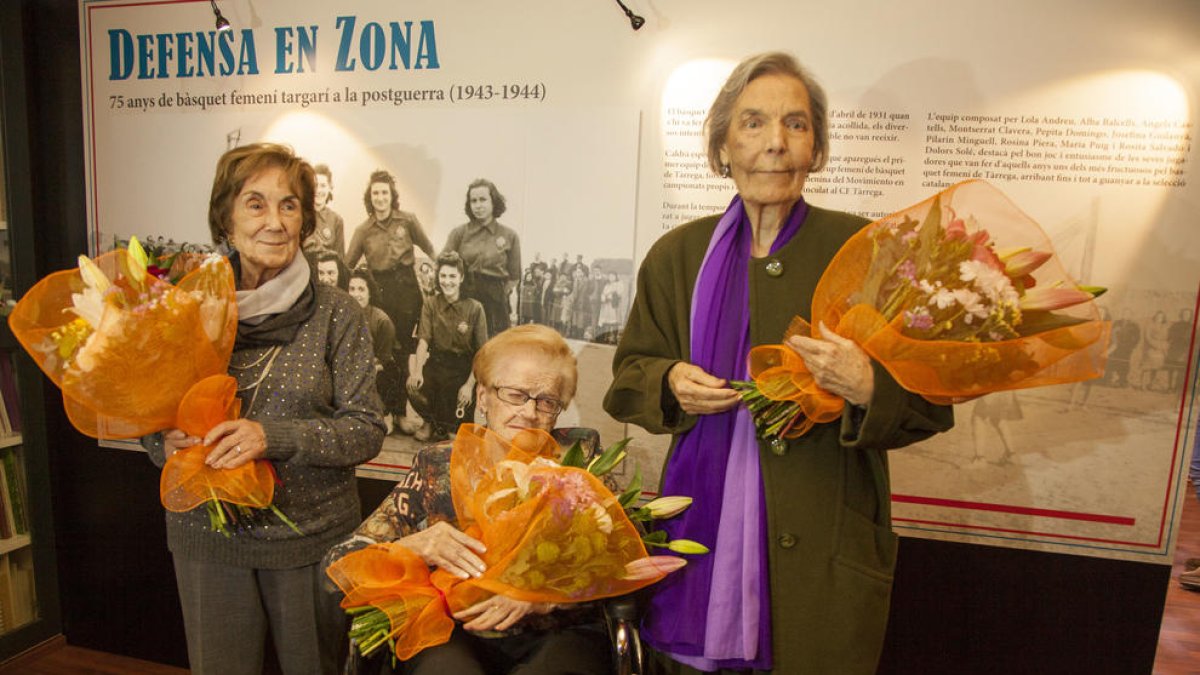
(1149, 352)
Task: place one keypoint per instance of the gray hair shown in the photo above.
(720, 114)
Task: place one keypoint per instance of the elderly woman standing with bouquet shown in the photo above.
(306, 379)
(803, 552)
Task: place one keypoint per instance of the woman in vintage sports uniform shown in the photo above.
(451, 330)
(491, 251)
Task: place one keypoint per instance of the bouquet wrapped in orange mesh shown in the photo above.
(131, 353)
(958, 296)
(123, 345)
(553, 533)
(236, 497)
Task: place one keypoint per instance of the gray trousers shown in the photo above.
(227, 611)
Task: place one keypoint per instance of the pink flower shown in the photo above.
(653, 566)
(956, 230)
(1053, 298)
(1023, 263)
(984, 253)
(919, 319)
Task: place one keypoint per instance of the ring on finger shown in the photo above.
(237, 449)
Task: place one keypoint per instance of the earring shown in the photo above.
(724, 171)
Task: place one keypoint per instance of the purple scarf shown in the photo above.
(715, 613)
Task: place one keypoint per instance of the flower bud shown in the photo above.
(1048, 299)
(652, 567)
(138, 261)
(668, 507)
(1019, 264)
(92, 275)
(687, 546)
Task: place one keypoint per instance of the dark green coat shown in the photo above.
(832, 550)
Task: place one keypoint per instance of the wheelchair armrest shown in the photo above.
(621, 617)
(624, 608)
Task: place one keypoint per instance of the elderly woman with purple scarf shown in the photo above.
(800, 574)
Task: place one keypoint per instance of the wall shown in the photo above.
(593, 133)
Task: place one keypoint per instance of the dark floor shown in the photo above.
(1178, 643)
(56, 657)
(1179, 638)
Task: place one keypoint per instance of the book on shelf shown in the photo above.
(6, 596)
(14, 491)
(6, 514)
(8, 391)
(5, 424)
(20, 575)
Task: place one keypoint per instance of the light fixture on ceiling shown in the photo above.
(634, 20)
(222, 22)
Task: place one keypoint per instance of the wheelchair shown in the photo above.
(621, 614)
(620, 618)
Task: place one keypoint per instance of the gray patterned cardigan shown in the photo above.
(322, 417)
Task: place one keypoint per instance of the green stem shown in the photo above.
(898, 297)
(286, 521)
(217, 503)
(781, 412)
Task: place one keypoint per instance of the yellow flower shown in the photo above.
(547, 552)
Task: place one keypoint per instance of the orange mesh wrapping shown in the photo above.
(855, 294)
(553, 534)
(396, 580)
(781, 375)
(187, 482)
(126, 377)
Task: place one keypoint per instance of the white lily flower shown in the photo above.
(89, 305)
(603, 521)
(497, 496)
(92, 275)
(520, 474)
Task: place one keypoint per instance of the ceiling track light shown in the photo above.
(222, 22)
(634, 20)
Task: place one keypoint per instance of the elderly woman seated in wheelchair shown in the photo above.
(525, 377)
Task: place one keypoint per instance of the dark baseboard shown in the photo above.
(960, 608)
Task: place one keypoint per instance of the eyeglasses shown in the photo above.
(517, 397)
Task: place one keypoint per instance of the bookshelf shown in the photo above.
(18, 596)
(29, 611)
(19, 605)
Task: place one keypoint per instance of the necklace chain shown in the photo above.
(272, 353)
